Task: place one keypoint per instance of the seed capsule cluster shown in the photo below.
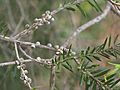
(45, 19)
(24, 77)
(43, 61)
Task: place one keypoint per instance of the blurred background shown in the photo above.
(15, 14)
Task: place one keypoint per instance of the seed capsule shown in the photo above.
(47, 12)
(49, 45)
(38, 43)
(57, 53)
(36, 27)
(38, 58)
(56, 46)
(33, 45)
(52, 19)
(26, 71)
(27, 26)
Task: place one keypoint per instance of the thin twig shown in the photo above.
(34, 25)
(16, 50)
(115, 9)
(28, 56)
(13, 62)
(88, 24)
(52, 77)
(8, 39)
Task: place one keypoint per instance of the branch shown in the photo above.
(8, 39)
(65, 6)
(14, 62)
(43, 20)
(43, 62)
(115, 8)
(52, 77)
(88, 24)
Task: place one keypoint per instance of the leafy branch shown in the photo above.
(92, 75)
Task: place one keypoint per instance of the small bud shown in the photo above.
(47, 12)
(44, 20)
(43, 15)
(49, 45)
(22, 75)
(18, 67)
(67, 50)
(49, 62)
(75, 57)
(26, 71)
(40, 24)
(36, 27)
(22, 78)
(38, 58)
(23, 66)
(52, 19)
(48, 22)
(61, 51)
(56, 46)
(40, 20)
(48, 17)
(38, 43)
(57, 53)
(27, 26)
(25, 82)
(36, 20)
(74, 53)
(29, 80)
(33, 45)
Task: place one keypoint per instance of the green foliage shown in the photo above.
(90, 74)
(83, 6)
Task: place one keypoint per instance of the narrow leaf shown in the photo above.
(109, 81)
(109, 42)
(105, 42)
(110, 53)
(93, 50)
(67, 67)
(115, 40)
(63, 55)
(81, 79)
(69, 50)
(70, 8)
(93, 5)
(81, 9)
(115, 83)
(97, 58)
(94, 86)
(102, 72)
(88, 58)
(104, 55)
(98, 6)
(85, 64)
(87, 50)
(92, 66)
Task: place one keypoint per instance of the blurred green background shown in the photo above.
(11, 12)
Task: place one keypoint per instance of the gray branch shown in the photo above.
(88, 24)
